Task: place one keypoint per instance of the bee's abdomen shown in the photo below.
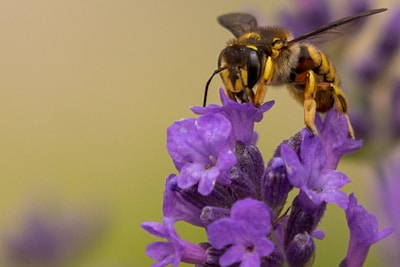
(311, 58)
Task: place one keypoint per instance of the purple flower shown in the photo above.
(388, 45)
(389, 42)
(245, 232)
(363, 233)
(388, 182)
(277, 167)
(309, 15)
(176, 207)
(276, 185)
(360, 120)
(46, 240)
(335, 137)
(279, 232)
(304, 217)
(358, 6)
(395, 105)
(242, 116)
(308, 173)
(300, 250)
(202, 150)
(224, 187)
(174, 251)
(250, 161)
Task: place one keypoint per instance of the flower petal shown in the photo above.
(294, 169)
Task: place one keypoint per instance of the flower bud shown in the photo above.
(300, 250)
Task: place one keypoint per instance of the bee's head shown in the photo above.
(240, 67)
(243, 65)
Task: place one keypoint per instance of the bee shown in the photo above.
(262, 56)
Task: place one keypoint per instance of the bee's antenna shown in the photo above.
(208, 83)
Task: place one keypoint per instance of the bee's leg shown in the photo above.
(307, 79)
(341, 106)
(246, 94)
(310, 106)
(262, 87)
(250, 94)
(350, 128)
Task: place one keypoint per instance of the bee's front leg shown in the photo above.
(265, 80)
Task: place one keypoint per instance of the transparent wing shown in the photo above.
(238, 23)
(335, 29)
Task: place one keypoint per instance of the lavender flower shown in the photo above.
(304, 218)
(369, 68)
(202, 151)
(388, 183)
(370, 72)
(300, 250)
(242, 207)
(175, 250)
(49, 240)
(176, 207)
(363, 233)
(309, 15)
(223, 186)
(242, 117)
(395, 105)
(250, 221)
(358, 6)
(40, 242)
(276, 185)
(334, 135)
(377, 122)
(360, 115)
(308, 173)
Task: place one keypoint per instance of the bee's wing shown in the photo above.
(238, 23)
(335, 29)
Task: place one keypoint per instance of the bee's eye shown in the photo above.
(253, 68)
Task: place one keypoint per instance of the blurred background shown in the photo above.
(87, 91)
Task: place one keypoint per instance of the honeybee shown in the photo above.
(262, 56)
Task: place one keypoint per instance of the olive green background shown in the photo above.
(87, 91)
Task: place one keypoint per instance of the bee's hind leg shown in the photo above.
(341, 107)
